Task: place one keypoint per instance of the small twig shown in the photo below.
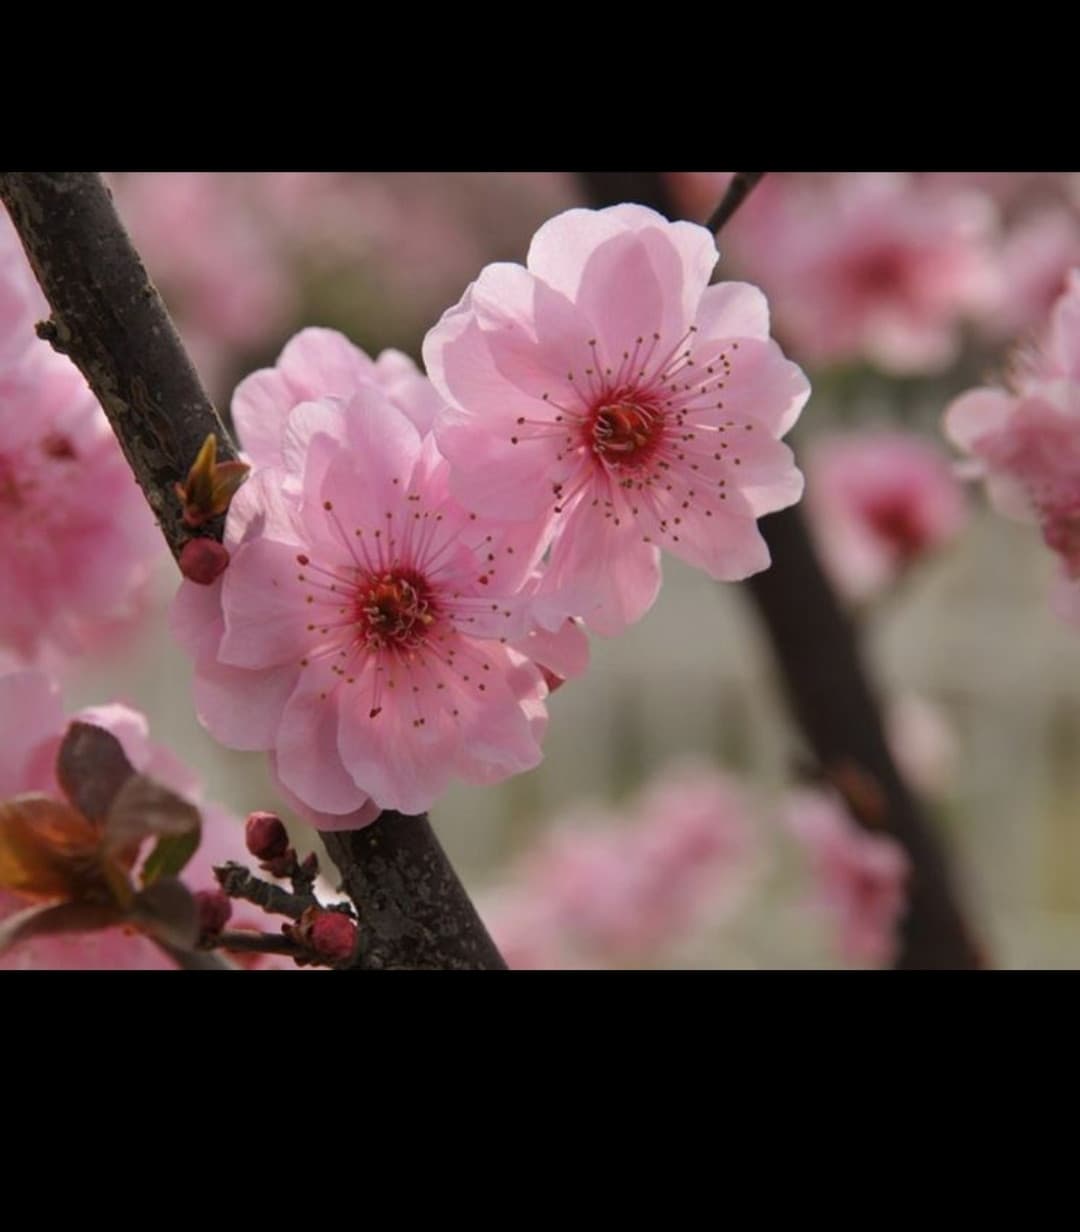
(242, 942)
(303, 876)
(195, 960)
(742, 185)
(237, 882)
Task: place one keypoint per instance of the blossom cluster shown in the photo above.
(1024, 441)
(892, 269)
(609, 888)
(414, 559)
(631, 886)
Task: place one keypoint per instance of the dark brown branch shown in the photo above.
(107, 316)
(109, 319)
(413, 911)
(742, 185)
(817, 653)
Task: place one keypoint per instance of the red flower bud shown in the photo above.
(214, 911)
(203, 560)
(331, 934)
(266, 837)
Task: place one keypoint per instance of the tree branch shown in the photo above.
(416, 912)
(109, 319)
(817, 654)
(195, 960)
(741, 186)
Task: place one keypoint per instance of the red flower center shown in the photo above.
(626, 433)
(395, 610)
(900, 526)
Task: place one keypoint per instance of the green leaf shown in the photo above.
(170, 855)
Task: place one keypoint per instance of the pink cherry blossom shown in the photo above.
(323, 363)
(1026, 443)
(616, 889)
(860, 877)
(32, 725)
(76, 537)
(878, 502)
(361, 630)
(608, 392)
(873, 265)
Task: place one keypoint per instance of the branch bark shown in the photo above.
(826, 684)
(417, 912)
(109, 319)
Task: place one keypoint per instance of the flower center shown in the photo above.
(898, 523)
(626, 433)
(395, 610)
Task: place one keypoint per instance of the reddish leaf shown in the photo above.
(91, 768)
(143, 808)
(47, 849)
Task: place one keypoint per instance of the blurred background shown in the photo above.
(895, 294)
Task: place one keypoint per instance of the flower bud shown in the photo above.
(331, 934)
(266, 837)
(203, 560)
(215, 910)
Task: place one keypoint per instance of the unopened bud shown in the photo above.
(331, 934)
(215, 910)
(266, 837)
(203, 560)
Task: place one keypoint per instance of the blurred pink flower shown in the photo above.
(612, 395)
(860, 877)
(210, 248)
(1026, 444)
(871, 265)
(32, 725)
(76, 537)
(360, 631)
(1036, 257)
(603, 889)
(878, 502)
